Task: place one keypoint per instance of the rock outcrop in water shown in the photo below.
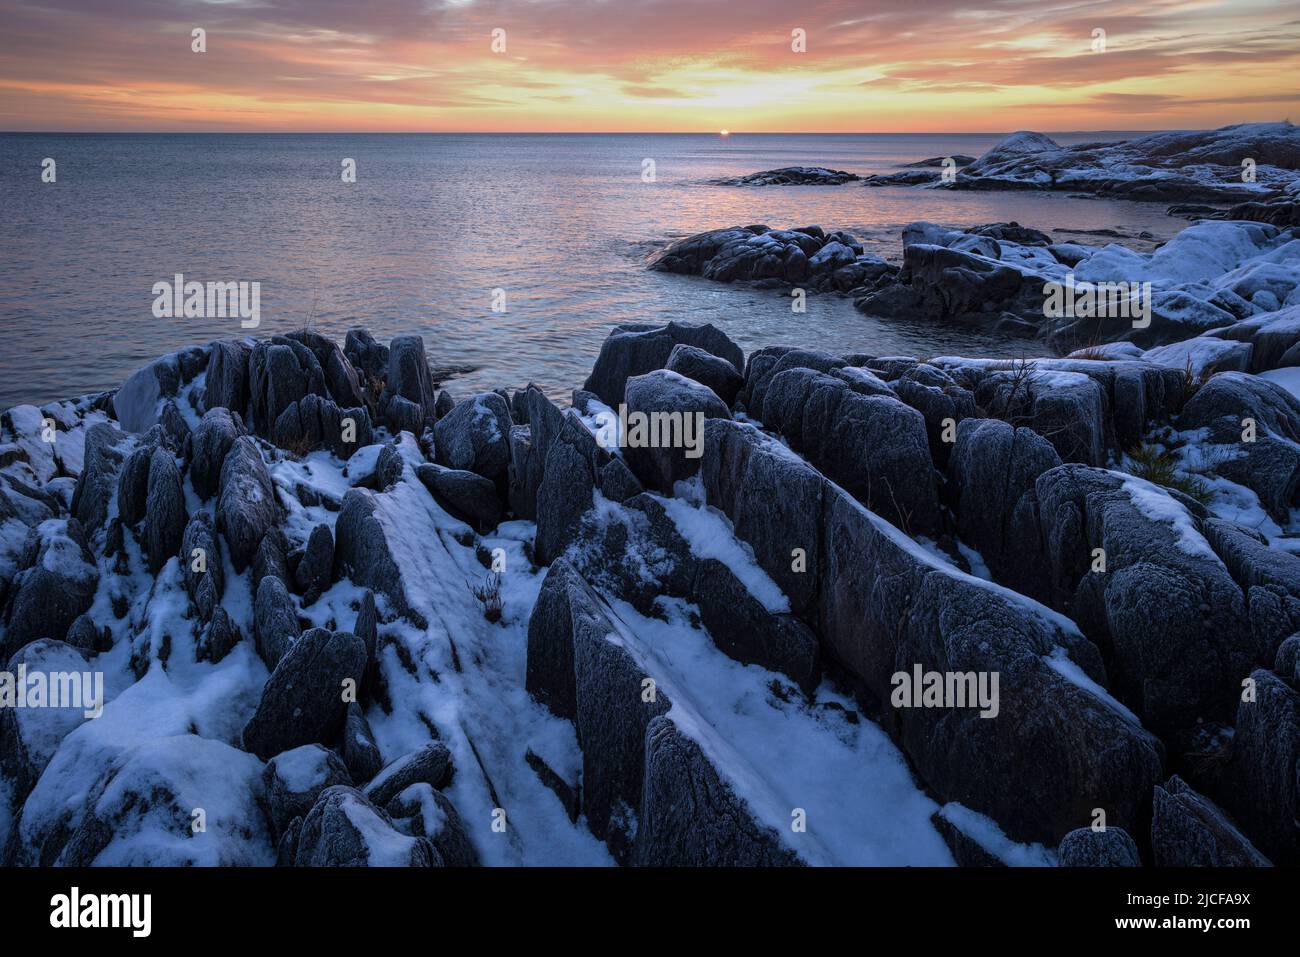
(934, 610)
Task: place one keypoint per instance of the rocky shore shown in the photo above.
(344, 617)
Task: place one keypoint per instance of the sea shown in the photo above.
(511, 254)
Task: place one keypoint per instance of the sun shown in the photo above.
(724, 132)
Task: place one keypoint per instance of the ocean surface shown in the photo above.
(433, 224)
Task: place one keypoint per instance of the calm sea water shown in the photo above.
(435, 223)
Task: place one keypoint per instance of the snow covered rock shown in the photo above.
(218, 638)
(1165, 606)
(369, 358)
(294, 779)
(362, 550)
(138, 403)
(209, 444)
(1189, 830)
(566, 489)
(430, 765)
(635, 349)
(423, 811)
(165, 515)
(474, 436)
(662, 456)
(275, 620)
(246, 508)
(142, 811)
(29, 736)
(882, 602)
(360, 752)
(55, 582)
(201, 565)
(104, 451)
(343, 829)
(703, 825)
(304, 699)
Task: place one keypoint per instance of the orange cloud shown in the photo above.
(691, 65)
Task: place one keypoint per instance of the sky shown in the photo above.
(646, 65)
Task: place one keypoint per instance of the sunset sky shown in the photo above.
(653, 65)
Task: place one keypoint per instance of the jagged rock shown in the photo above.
(1188, 830)
(409, 398)
(275, 621)
(104, 452)
(315, 422)
(173, 424)
(341, 380)
(201, 566)
(467, 495)
(632, 350)
(873, 445)
(29, 736)
(992, 471)
(165, 515)
(369, 358)
(1165, 608)
(1111, 847)
(475, 436)
(343, 829)
(707, 369)
(272, 557)
(281, 371)
(430, 813)
(226, 384)
(133, 484)
(316, 570)
(294, 779)
(247, 507)
(1263, 790)
(662, 454)
(883, 603)
(367, 629)
(209, 444)
(360, 753)
(302, 702)
(218, 639)
(565, 492)
(361, 551)
(55, 583)
(430, 764)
